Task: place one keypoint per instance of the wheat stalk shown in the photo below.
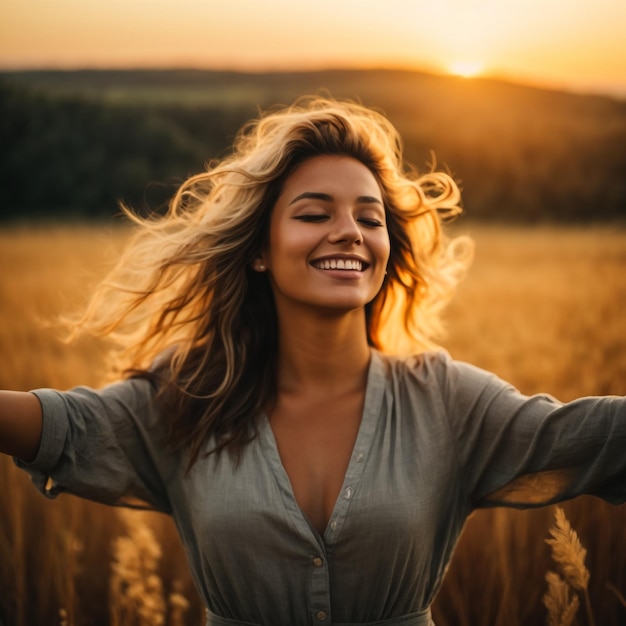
(72, 547)
(136, 587)
(561, 607)
(178, 605)
(618, 594)
(569, 555)
(568, 552)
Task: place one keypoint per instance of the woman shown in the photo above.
(313, 478)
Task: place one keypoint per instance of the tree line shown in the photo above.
(520, 154)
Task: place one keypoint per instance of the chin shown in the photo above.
(339, 306)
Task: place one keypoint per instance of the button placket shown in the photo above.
(320, 587)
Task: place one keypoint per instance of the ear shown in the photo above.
(258, 265)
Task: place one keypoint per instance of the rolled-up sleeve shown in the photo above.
(524, 451)
(105, 445)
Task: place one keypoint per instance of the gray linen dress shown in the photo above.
(437, 439)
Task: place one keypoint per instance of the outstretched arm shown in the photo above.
(527, 451)
(20, 424)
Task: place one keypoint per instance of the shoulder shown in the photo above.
(437, 372)
(426, 367)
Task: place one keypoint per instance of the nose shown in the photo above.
(346, 230)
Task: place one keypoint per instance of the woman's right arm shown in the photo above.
(20, 424)
(103, 444)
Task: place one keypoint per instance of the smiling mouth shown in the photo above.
(340, 264)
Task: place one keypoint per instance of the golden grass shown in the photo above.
(569, 555)
(542, 307)
(136, 587)
(561, 606)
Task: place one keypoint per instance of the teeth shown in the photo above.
(339, 264)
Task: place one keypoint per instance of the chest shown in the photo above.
(393, 509)
(315, 438)
(395, 517)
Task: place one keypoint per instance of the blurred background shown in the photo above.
(523, 102)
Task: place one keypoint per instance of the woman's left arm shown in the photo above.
(525, 451)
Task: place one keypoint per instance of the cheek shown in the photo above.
(290, 244)
(278, 247)
(383, 249)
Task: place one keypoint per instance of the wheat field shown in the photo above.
(542, 307)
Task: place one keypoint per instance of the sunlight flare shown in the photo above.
(466, 69)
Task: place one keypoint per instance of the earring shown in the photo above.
(259, 266)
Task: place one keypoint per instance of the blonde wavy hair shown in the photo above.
(184, 295)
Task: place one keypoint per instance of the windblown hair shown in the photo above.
(184, 296)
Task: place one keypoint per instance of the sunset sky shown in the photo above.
(575, 44)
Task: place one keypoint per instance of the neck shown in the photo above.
(328, 352)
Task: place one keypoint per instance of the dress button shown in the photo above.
(347, 494)
(318, 562)
(333, 525)
(321, 616)
(359, 458)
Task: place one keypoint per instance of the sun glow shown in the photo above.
(466, 69)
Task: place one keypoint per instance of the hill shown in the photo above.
(76, 142)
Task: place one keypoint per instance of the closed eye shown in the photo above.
(371, 223)
(311, 218)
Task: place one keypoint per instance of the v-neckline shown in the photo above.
(372, 404)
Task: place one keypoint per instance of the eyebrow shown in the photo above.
(325, 197)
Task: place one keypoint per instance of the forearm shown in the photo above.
(20, 424)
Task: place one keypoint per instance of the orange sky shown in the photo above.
(577, 44)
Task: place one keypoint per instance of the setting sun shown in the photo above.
(466, 69)
(561, 44)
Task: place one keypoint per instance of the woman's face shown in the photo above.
(328, 241)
